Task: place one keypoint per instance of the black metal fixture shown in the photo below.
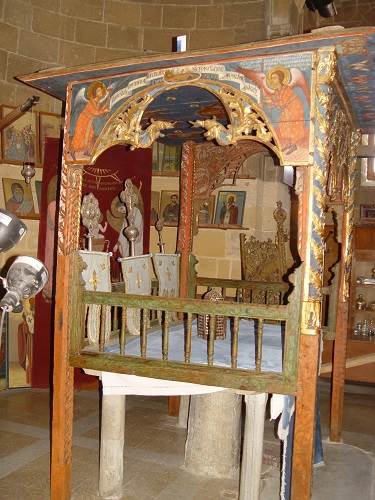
(326, 8)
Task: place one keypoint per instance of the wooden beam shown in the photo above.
(11, 117)
(365, 359)
(365, 152)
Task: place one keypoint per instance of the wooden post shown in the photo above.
(340, 345)
(303, 443)
(185, 239)
(62, 403)
(63, 373)
(303, 446)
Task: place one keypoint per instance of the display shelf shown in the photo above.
(363, 266)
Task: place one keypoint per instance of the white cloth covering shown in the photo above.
(115, 383)
(136, 272)
(96, 276)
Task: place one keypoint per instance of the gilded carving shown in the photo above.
(265, 260)
(335, 146)
(329, 161)
(355, 140)
(246, 122)
(69, 209)
(327, 66)
(126, 127)
(338, 142)
(318, 223)
(311, 317)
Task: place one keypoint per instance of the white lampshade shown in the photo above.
(12, 229)
(25, 278)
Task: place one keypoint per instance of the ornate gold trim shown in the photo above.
(69, 208)
(246, 121)
(310, 321)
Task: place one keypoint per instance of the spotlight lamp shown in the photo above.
(326, 8)
(12, 229)
(25, 278)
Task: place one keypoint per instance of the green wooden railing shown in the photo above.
(116, 303)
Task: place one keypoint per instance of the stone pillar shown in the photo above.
(112, 446)
(252, 455)
(214, 434)
(183, 413)
(283, 17)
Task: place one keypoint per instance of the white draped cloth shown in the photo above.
(167, 270)
(97, 278)
(136, 272)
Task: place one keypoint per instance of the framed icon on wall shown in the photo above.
(230, 208)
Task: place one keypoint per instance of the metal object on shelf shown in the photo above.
(361, 280)
(159, 228)
(360, 303)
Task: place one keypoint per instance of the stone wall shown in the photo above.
(40, 34)
(350, 14)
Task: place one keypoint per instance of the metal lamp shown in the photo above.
(25, 278)
(28, 171)
(12, 229)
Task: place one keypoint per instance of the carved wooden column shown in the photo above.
(339, 351)
(346, 221)
(185, 238)
(303, 445)
(313, 184)
(62, 404)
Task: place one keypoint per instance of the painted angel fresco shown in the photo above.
(86, 108)
(278, 87)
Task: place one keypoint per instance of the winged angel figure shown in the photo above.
(277, 89)
(86, 109)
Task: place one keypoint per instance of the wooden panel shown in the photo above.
(364, 237)
(364, 373)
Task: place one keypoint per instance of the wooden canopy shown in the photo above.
(303, 98)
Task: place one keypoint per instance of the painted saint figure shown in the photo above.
(277, 88)
(291, 125)
(229, 211)
(18, 204)
(84, 132)
(172, 210)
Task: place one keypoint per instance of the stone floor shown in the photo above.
(154, 451)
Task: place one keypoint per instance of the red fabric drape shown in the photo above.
(105, 180)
